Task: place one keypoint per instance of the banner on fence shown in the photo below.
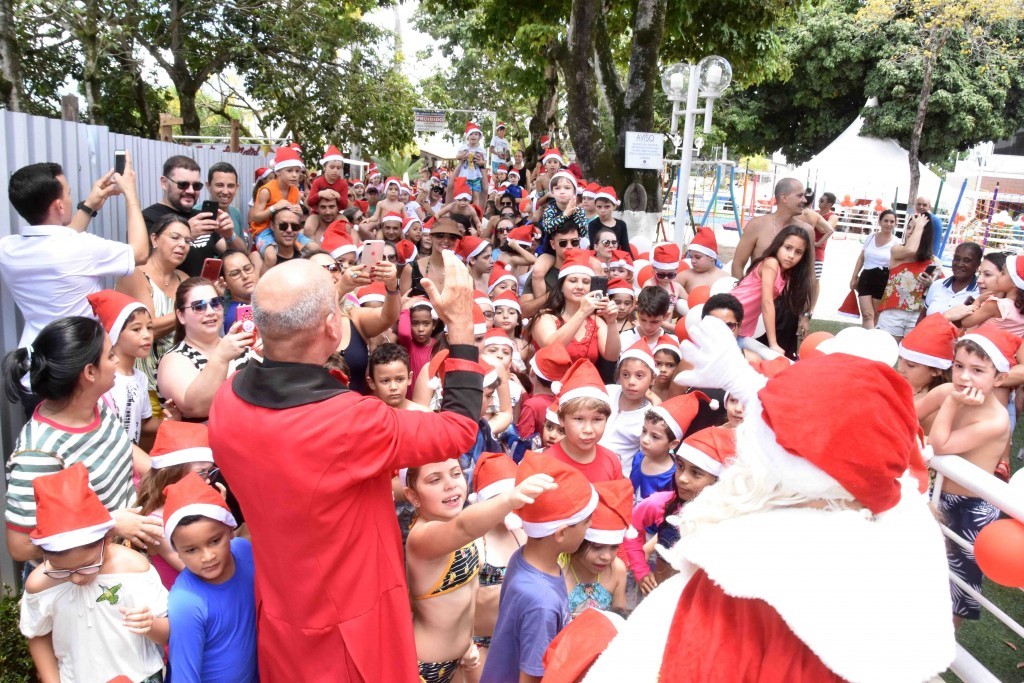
(428, 120)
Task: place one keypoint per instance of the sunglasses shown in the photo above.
(565, 243)
(87, 570)
(504, 231)
(184, 185)
(507, 214)
(732, 326)
(666, 276)
(609, 243)
(505, 204)
(390, 258)
(289, 227)
(200, 306)
(332, 268)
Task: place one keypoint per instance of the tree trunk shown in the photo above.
(545, 113)
(10, 73)
(187, 91)
(932, 49)
(150, 123)
(579, 75)
(87, 32)
(638, 99)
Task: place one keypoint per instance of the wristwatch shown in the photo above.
(273, 211)
(82, 206)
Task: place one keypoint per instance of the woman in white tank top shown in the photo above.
(871, 273)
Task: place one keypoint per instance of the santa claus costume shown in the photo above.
(815, 557)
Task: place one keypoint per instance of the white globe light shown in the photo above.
(715, 75)
(676, 80)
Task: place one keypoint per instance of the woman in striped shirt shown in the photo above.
(70, 366)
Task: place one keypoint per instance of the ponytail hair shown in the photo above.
(55, 360)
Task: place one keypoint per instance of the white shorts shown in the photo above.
(896, 322)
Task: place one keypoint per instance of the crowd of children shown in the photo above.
(588, 444)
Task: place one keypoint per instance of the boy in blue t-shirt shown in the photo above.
(534, 604)
(212, 605)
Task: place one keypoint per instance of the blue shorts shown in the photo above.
(265, 238)
(966, 516)
(475, 184)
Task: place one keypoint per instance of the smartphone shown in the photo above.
(930, 269)
(211, 207)
(119, 161)
(211, 269)
(373, 252)
(599, 283)
(243, 314)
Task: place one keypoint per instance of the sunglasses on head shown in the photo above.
(565, 243)
(200, 306)
(184, 184)
(666, 276)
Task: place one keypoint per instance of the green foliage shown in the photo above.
(15, 661)
(398, 165)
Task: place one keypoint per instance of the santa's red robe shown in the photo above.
(311, 465)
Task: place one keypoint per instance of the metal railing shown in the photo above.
(998, 493)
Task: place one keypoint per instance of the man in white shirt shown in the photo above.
(953, 291)
(53, 264)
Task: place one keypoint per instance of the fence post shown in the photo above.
(234, 135)
(69, 108)
(167, 123)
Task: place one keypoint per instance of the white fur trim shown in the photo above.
(495, 488)
(550, 154)
(568, 176)
(536, 370)
(638, 355)
(74, 538)
(479, 328)
(122, 318)
(622, 290)
(1011, 268)
(291, 163)
(500, 341)
(605, 195)
(664, 265)
(344, 249)
(371, 299)
(677, 431)
(509, 304)
(552, 416)
(542, 529)
(700, 459)
(505, 276)
(588, 193)
(925, 359)
(389, 183)
(605, 536)
(391, 219)
(215, 512)
(415, 221)
(585, 392)
(490, 378)
(622, 263)
(332, 157)
(830, 574)
(674, 348)
(576, 270)
(465, 195)
(196, 454)
(476, 252)
(989, 347)
(701, 249)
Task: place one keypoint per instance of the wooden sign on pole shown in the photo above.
(167, 123)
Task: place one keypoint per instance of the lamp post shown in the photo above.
(709, 78)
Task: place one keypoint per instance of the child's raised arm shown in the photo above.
(946, 440)
(432, 540)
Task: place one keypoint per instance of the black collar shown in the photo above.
(277, 385)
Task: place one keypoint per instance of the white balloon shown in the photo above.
(723, 285)
(759, 330)
(873, 344)
(1017, 481)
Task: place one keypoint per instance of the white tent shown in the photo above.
(864, 167)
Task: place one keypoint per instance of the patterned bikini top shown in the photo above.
(463, 566)
(490, 575)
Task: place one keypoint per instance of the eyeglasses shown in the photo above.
(289, 227)
(732, 326)
(444, 236)
(332, 268)
(489, 315)
(609, 243)
(184, 185)
(507, 214)
(207, 475)
(666, 276)
(87, 570)
(390, 258)
(200, 306)
(564, 243)
(247, 270)
(505, 204)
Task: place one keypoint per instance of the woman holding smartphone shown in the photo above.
(912, 267)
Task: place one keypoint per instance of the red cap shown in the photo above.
(178, 442)
(709, 449)
(113, 309)
(704, 242)
(582, 380)
(930, 343)
(678, 412)
(1000, 346)
(189, 496)
(666, 256)
(69, 514)
(551, 362)
(612, 519)
(572, 502)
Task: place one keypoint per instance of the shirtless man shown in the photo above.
(758, 235)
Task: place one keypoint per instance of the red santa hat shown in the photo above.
(667, 343)
(998, 344)
(645, 276)
(372, 172)
(495, 474)
(69, 514)
(930, 343)
(296, 146)
(503, 167)
(178, 443)
(704, 242)
(336, 240)
(622, 259)
(498, 336)
(572, 502)
(582, 380)
(460, 189)
(371, 293)
(513, 172)
(501, 124)
(666, 256)
(469, 247)
(551, 413)
(607, 193)
(611, 523)
(331, 154)
(192, 496)
(392, 217)
(553, 153)
(551, 362)
(567, 176)
(1015, 268)
(479, 321)
(261, 173)
(392, 180)
(619, 286)
(509, 299)
(522, 235)
(709, 449)
(577, 646)
(639, 351)
(545, 140)
(500, 273)
(482, 300)
(408, 222)
(471, 127)
(113, 309)
(577, 262)
(422, 302)
(860, 449)
(590, 190)
(678, 412)
(286, 157)
(358, 183)
(406, 252)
